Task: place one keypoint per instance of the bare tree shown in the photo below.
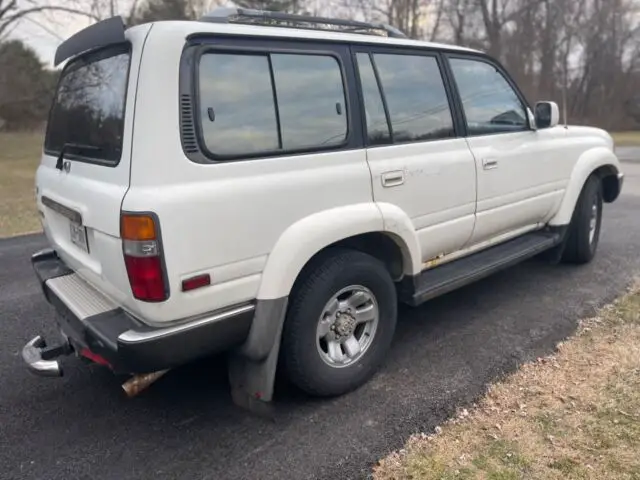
(584, 54)
(13, 11)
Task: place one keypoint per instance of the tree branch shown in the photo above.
(7, 21)
(436, 26)
(5, 10)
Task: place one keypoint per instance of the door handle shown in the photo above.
(489, 163)
(392, 179)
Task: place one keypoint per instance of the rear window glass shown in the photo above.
(266, 103)
(87, 116)
(237, 106)
(377, 126)
(416, 98)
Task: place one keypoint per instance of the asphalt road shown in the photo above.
(185, 426)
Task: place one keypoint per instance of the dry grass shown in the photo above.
(573, 415)
(627, 139)
(19, 158)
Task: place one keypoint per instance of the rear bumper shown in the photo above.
(97, 329)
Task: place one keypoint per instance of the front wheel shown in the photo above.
(340, 323)
(584, 230)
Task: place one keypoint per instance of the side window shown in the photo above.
(490, 104)
(311, 100)
(377, 126)
(237, 108)
(265, 103)
(415, 95)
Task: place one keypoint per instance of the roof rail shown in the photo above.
(281, 19)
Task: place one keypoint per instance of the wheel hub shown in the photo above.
(344, 325)
(347, 326)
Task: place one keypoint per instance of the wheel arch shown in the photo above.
(358, 227)
(601, 162)
(611, 184)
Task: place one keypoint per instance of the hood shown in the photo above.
(592, 132)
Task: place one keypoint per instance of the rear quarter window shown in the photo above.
(266, 103)
(87, 115)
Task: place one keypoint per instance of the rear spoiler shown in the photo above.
(102, 34)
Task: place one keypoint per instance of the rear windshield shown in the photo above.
(87, 116)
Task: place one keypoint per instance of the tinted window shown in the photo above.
(310, 100)
(236, 104)
(87, 116)
(377, 126)
(415, 96)
(490, 104)
(270, 102)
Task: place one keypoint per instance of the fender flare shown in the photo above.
(295, 247)
(305, 238)
(588, 163)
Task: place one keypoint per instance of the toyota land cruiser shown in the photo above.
(271, 185)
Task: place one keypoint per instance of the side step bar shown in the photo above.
(450, 276)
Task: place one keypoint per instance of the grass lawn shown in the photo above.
(19, 158)
(573, 415)
(627, 139)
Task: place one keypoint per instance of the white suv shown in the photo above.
(274, 190)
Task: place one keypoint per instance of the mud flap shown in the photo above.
(252, 382)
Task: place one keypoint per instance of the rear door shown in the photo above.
(417, 161)
(85, 167)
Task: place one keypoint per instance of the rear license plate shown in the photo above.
(78, 235)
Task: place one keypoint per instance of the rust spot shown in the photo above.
(432, 262)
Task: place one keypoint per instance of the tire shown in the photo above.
(308, 360)
(584, 230)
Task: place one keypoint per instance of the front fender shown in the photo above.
(302, 240)
(588, 162)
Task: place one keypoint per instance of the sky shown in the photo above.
(44, 33)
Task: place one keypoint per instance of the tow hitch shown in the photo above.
(40, 358)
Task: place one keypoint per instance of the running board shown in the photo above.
(450, 276)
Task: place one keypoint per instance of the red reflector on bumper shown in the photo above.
(196, 282)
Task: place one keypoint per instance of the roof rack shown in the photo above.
(280, 19)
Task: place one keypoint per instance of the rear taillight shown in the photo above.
(143, 257)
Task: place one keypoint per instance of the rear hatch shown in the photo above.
(84, 173)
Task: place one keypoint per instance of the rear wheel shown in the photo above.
(340, 323)
(584, 230)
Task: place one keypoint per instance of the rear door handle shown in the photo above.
(392, 179)
(489, 163)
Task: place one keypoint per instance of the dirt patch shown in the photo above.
(572, 415)
(19, 159)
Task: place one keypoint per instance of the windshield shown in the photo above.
(87, 116)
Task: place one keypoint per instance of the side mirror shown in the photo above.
(547, 114)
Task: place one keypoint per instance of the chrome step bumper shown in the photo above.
(32, 355)
(95, 328)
